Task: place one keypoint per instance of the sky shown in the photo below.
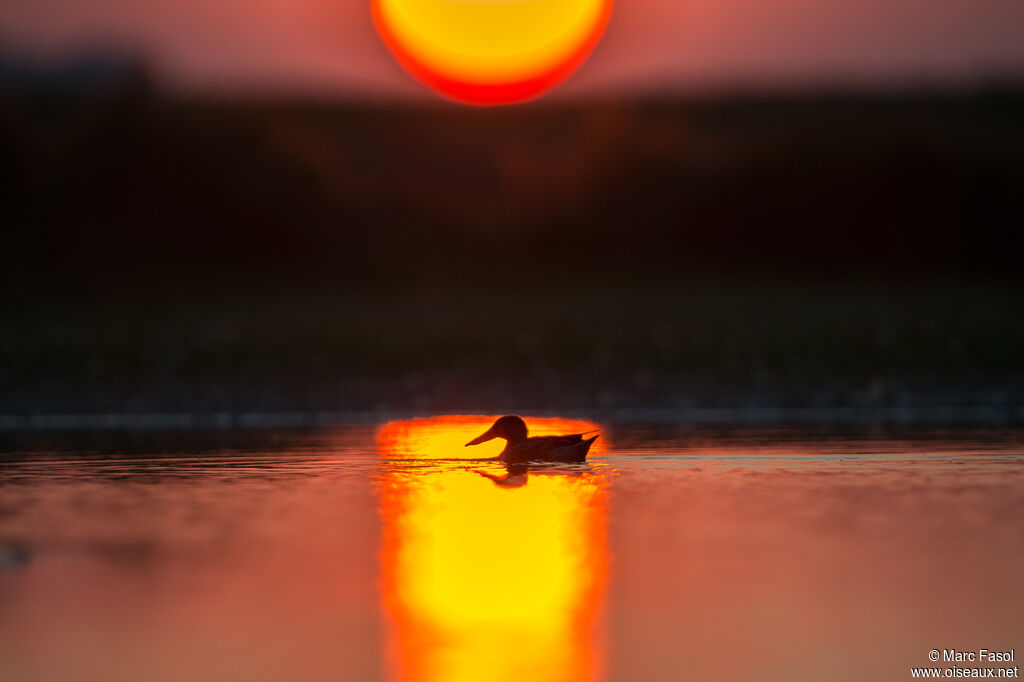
(330, 46)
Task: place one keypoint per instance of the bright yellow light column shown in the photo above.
(482, 582)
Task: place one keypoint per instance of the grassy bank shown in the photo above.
(764, 343)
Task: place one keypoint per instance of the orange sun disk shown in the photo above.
(491, 51)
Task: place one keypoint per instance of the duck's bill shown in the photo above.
(482, 438)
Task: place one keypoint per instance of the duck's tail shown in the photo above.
(577, 452)
(584, 445)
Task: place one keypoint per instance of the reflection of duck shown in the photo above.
(519, 448)
(515, 476)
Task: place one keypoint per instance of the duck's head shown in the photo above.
(509, 427)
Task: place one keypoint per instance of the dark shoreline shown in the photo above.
(996, 416)
(764, 259)
(773, 353)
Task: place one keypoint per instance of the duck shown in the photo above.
(520, 448)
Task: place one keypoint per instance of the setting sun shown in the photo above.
(491, 51)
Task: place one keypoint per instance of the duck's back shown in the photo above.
(571, 448)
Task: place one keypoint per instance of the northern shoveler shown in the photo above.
(520, 449)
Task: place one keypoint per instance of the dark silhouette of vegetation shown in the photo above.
(125, 190)
(202, 256)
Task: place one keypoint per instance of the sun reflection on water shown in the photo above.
(482, 582)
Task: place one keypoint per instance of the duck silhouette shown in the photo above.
(520, 448)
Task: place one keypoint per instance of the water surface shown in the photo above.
(380, 553)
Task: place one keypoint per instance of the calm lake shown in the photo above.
(379, 552)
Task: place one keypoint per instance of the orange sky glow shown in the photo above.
(331, 46)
